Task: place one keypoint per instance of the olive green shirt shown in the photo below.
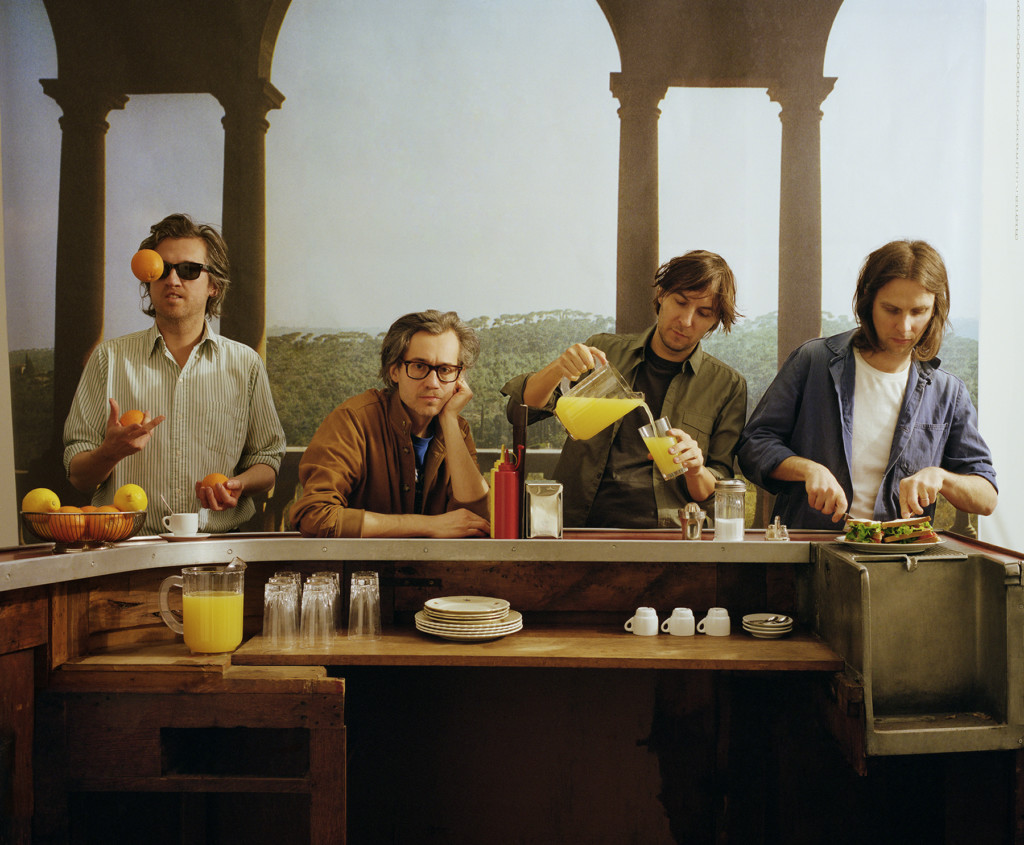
(707, 400)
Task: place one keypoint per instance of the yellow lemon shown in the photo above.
(40, 500)
(130, 497)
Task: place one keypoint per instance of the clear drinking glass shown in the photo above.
(334, 580)
(280, 612)
(658, 442)
(364, 606)
(317, 625)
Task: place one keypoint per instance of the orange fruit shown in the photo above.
(132, 418)
(212, 479)
(147, 265)
(67, 524)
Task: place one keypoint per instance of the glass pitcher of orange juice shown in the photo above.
(596, 402)
(211, 606)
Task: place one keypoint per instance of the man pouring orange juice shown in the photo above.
(668, 382)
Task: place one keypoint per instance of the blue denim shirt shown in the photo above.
(807, 411)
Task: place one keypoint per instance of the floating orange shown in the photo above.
(132, 417)
(67, 524)
(147, 265)
(213, 479)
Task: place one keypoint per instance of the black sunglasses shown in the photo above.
(188, 271)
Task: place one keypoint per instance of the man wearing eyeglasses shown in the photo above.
(211, 394)
(400, 462)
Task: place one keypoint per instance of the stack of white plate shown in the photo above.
(767, 626)
(468, 618)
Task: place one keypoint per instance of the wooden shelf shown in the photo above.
(561, 647)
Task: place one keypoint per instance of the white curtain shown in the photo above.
(1000, 382)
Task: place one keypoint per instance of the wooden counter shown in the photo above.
(633, 733)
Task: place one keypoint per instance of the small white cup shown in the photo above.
(644, 623)
(182, 524)
(680, 623)
(716, 623)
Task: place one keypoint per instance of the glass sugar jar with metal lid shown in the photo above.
(730, 509)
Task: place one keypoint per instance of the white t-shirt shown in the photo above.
(877, 399)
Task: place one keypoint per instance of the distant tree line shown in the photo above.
(310, 374)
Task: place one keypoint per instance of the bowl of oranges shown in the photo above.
(87, 527)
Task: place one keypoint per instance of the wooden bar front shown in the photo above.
(570, 730)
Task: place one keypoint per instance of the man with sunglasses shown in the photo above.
(400, 462)
(216, 413)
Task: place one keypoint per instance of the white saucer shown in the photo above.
(484, 607)
(175, 538)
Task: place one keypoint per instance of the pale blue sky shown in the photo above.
(463, 154)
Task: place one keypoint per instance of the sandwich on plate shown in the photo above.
(916, 529)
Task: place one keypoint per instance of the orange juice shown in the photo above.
(585, 416)
(658, 447)
(212, 620)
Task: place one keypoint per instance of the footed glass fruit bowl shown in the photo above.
(88, 529)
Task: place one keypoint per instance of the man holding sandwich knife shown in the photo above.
(864, 424)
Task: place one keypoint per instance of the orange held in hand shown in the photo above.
(147, 265)
(213, 479)
(132, 418)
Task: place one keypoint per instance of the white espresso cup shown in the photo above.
(182, 524)
(716, 623)
(680, 623)
(644, 623)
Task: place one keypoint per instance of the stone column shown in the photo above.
(637, 258)
(800, 211)
(244, 211)
(81, 233)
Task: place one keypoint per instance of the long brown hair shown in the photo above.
(915, 260)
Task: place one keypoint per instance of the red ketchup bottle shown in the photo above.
(505, 480)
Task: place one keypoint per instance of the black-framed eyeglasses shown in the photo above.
(188, 271)
(418, 370)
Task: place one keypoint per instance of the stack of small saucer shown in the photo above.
(767, 626)
(468, 618)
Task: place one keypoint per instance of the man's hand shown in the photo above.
(920, 490)
(458, 523)
(824, 493)
(120, 441)
(577, 359)
(459, 398)
(686, 451)
(221, 496)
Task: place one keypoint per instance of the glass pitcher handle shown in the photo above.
(171, 619)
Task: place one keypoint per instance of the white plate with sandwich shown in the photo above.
(890, 537)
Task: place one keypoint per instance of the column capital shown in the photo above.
(802, 95)
(249, 103)
(83, 105)
(637, 94)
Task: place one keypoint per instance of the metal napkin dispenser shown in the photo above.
(544, 509)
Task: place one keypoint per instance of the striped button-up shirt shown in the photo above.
(220, 418)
